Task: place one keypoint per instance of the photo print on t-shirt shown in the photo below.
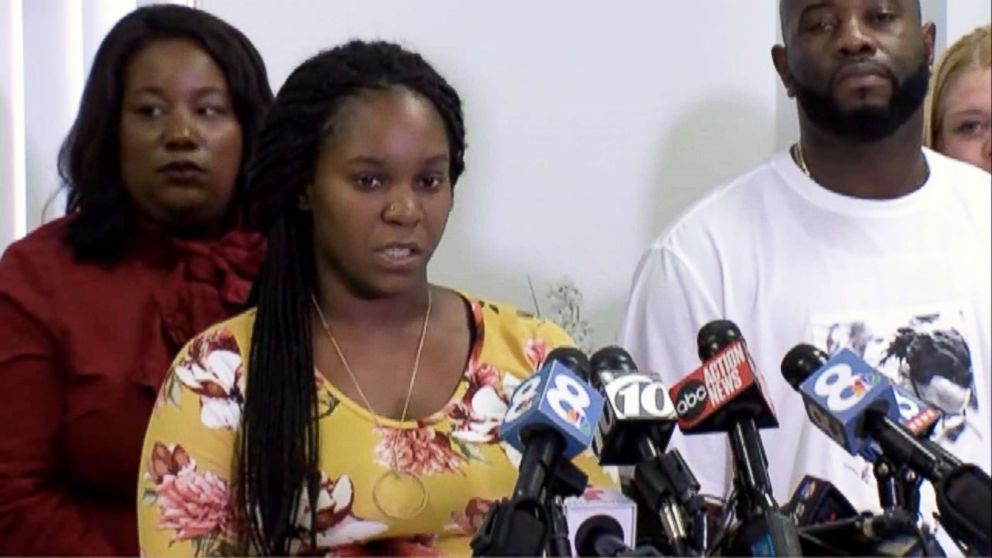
(924, 352)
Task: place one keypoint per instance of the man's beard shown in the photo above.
(866, 124)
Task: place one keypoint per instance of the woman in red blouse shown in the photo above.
(93, 306)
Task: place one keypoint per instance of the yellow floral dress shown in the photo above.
(184, 487)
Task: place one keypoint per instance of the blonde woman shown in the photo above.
(959, 106)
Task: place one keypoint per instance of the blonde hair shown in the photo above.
(973, 51)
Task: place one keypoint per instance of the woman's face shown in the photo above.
(966, 124)
(381, 192)
(180, 139)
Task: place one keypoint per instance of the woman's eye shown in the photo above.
(150, 111)
(368, 181)
(432, 181)
(968, 128)
(212, 110)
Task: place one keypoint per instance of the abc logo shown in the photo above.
(691, 400)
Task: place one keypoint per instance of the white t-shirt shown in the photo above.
(789, 262)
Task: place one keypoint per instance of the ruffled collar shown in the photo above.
(208, 280)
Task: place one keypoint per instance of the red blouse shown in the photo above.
(83, 349)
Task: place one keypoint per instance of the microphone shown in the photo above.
(638, 415)
(855, 405)
(818, 501)
(601, 535)
(724, 387)
(830, 525)
(637, 423)
(725, 394)
(587, 509)
(549, 420)
(550, 417)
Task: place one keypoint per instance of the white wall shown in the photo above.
(963, 16)
(13, 187)
(590, 125)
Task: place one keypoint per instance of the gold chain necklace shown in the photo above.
(797, 154)
(394, 473)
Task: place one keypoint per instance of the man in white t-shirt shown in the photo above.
(854, 237)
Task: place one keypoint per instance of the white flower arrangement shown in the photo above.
(564, 303)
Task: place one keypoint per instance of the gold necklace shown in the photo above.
(394, 473)
(797, 154)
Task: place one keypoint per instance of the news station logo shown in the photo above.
(639, 396)
(571, 400)
(690, 401)
(843, 387)
(578, 419)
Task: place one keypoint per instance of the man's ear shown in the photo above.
(780, 60)
(929, 40)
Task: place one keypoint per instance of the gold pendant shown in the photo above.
(396, 487)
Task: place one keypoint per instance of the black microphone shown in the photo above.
(602, 535)
(964, 492)
(818, 501)
(637, 423)
(638, 415)
(549, 420)
(725, 394)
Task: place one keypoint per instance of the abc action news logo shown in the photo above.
(709, 386)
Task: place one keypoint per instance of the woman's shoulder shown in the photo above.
(40, 246)
(231, 335)
(512, 318)
(514, 339)
(32, 268)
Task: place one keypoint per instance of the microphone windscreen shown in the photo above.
(588, 510)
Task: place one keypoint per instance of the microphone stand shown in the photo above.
(566, 480)
(890, 493)
(533, 520)
(668, 487)
(763, 527)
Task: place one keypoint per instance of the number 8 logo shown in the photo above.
(833, 383)
(522, 399)
(567, 390)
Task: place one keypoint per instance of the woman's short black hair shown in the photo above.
(278, 453)
(89, 160)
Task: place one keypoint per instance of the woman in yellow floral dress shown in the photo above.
(356, 409)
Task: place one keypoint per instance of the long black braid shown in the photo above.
(278, 453)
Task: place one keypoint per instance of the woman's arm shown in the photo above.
(38, 513)
(185, 502)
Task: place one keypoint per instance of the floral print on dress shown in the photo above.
(336, 525)
(185, 496)
(417, 451)
(195, 506)
(212, 368)
(475, 419)
(537, 352)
